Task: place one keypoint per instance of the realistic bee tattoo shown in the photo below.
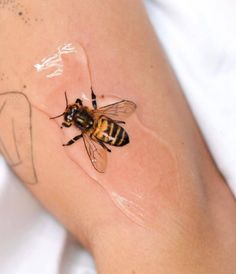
(99, 127)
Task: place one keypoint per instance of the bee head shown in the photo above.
(77, 115)
(70, 112)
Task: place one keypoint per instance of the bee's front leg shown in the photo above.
(79, 102)
(64, 124)
(94, 100)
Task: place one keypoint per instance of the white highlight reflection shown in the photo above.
(55, 61)
(132, 210)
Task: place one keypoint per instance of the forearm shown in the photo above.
(153, 186)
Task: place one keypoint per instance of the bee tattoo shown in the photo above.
(99, 127)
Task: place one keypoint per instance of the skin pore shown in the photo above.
(164, 201)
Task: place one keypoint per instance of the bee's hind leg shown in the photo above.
(104, 146)
(119, 122)
(73, 140)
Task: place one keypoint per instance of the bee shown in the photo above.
(98, 127)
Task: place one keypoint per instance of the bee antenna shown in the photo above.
(57, 116)
(63, 112)
(66, 99)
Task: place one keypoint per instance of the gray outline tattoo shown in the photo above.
(16, 110)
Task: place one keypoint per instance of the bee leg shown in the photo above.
(94, 101)
(64, 124)
(73, 140)
(119, 122)
(79, 101)
(104, 146)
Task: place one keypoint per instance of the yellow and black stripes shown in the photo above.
(120, 136)
(111, 133)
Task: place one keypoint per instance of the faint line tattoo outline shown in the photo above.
(14, 134)
(14, 138)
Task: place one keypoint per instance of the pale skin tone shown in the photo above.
(188, 220)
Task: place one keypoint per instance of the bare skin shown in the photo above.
(162, 206)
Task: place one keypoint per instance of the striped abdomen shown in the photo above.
(110, 133)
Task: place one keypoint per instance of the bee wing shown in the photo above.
(97, 154)
(117, 111)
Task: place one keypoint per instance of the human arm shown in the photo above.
(166, 171)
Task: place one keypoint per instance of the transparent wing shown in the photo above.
(97, 154)
(117, 111)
